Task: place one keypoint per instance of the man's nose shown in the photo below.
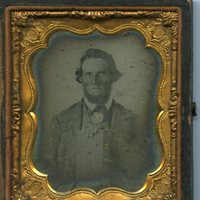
(95, 78)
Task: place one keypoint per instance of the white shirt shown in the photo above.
(92, 106)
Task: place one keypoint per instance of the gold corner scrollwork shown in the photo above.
(171, 19)
(30, 33)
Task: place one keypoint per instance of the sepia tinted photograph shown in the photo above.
(97, 109)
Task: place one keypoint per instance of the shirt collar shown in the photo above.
(92, 106)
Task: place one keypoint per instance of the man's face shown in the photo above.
(96, 80)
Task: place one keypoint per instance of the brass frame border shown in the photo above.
(8, 73)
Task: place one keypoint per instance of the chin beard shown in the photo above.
(100, 99)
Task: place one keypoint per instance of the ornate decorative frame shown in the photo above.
(27, 31)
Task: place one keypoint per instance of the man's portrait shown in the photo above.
(97, 141)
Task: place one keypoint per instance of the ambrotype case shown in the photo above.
(97, 100)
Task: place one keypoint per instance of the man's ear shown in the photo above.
(78, 74)
(80, 80)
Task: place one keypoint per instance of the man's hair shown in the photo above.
(97, 53)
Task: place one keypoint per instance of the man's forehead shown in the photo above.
(93, 64)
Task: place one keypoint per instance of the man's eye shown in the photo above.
(102, 73)
(88, 74)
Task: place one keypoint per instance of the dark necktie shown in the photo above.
(101, 109)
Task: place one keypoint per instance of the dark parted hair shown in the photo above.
(97, 53)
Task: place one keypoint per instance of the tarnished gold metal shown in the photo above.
(30, 28)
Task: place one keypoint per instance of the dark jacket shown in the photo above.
(126, 146)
